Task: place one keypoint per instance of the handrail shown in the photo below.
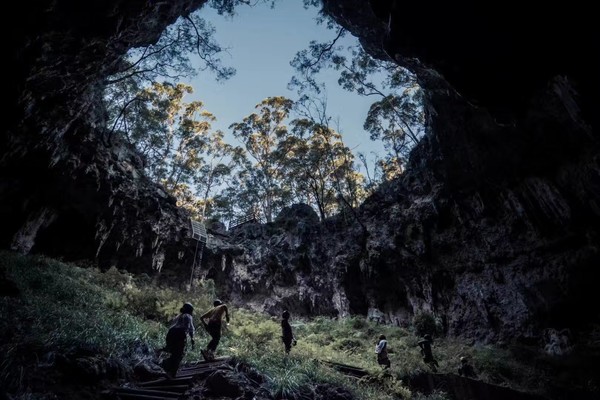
(242, 220)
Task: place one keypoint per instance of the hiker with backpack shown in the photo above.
(382, 352)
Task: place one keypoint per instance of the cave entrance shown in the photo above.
(281, 79)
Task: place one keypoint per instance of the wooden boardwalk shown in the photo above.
(165, 388)
(346, 369)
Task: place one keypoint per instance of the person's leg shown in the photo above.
(288, 345)
(214, 329)
(383, 361)
(433, 365)
(176, 345)
(176, 358)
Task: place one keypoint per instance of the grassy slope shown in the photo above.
(61, 304)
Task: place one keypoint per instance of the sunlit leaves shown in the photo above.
(180, 149)
(169, 58)
(261, 132)
(396, 117)
(319, 164)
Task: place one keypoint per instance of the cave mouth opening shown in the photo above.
(277, 52)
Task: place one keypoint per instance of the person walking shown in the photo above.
(382, 352)
(286, 332)
(214, 316)
(182, 326)
(425, 346)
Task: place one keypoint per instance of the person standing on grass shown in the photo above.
(382, 352)
(182, 326)
(214, 316)
(286, 332)
(425, 346)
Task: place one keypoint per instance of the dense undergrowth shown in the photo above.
(60, 305)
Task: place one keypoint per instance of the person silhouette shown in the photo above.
(176, 338)
(213, 327)
(287, 335)
(425, 345)
(382, 352)
(466, 369)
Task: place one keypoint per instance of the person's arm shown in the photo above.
(191, 330)
(206, 315)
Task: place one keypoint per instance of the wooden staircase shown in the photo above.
(165, 388)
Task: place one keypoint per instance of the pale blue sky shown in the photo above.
(262, 42)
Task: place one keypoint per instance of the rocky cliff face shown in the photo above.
(64, 191)
(494, 228)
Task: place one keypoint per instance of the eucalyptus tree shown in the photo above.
(319, 166)
(168, 59)
(220, 160)
(180, 149)
(396, 117)
(261, 133)
(317, 160)
(170, 133)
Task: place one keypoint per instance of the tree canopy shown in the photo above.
(288, 153)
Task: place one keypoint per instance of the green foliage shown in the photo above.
(179, 147)
(286, 385)
(425, 323)
(390, 383)
(62, 305)
(168, 58)
(435, 395)
(500, 366)
(320, 165)
(262, 182)
(396, 118)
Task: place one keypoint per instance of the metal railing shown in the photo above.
(244, 220)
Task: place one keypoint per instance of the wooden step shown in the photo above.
(193, 372)
(204, 362)
(347, 369)
(173, 388)
(132, 396)
(148, 392)
(167, 382)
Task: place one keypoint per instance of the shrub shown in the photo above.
(424, 322)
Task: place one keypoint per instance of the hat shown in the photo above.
(217, 302)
